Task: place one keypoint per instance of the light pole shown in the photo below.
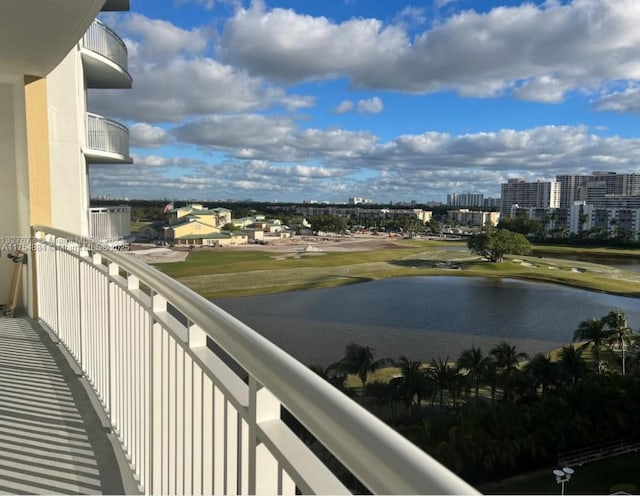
(563, 476)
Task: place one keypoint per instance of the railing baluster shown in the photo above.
(102, 40)
(188, 422)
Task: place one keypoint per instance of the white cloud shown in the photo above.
(621, 101)
(438, 4)
(283, 45)
(344, 107)
(545, 89)
(207, 4)
(147, 136)
(414, 166)
(541, 51)
(254, 136)
(175, 78)
(161, 39)
(371, 106)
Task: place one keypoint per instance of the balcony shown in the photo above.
(104, 58)
(110, 225)
(107, 141)
(196, 398)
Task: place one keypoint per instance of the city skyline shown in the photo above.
(286, 101)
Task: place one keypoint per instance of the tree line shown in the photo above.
(496, 414)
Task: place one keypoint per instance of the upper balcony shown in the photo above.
(105, 58)
(107, 141)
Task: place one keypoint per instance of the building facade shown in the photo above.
(50, 54)
(538, 194)
(465, 200)
(473, 218)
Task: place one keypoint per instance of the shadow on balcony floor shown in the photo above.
(51, 438)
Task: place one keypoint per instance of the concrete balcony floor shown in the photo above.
(54, 437)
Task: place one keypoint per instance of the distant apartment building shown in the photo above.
(594, 188)
(465, 200)
(473, 218)
(491, 203)
(613, 216)
(596, 185)
(539, 194)
(358, 200)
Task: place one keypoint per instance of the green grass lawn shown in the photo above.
(588, 250)
(248, 272)
(599, 477)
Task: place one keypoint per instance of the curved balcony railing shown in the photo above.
(101, 40)
(197, 421)
(107, 140)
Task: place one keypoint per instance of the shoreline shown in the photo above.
(299, 264)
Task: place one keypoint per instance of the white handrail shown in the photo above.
(189, 423)
(107, 135)
(104, 41)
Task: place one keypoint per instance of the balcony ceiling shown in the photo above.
(116, 6)
(36, 35)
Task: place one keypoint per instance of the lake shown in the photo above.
(620, 262)
(424, 317)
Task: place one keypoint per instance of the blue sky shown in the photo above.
(388, 100)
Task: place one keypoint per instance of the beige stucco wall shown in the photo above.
(194, 228)
(67, 133)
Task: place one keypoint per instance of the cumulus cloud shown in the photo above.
(207, 4)
(254, 136)
(161, 39)
(412, 166)
(147, 136)
(621, 101)
(344, 107)
(283, 45)
(175, 77)
(371, 106)
(541, 51)
(254, 178)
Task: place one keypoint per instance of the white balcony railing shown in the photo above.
(189, 420)
(104, 41)
(107, 140)
(110, 225)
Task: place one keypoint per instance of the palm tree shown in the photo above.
(331, 375)
(414, 381)
(592, 331)
(443, 375)
(507, 359)
(542, 371)
(572, 364)
(619, 329)
(359, 360)
(475, 364)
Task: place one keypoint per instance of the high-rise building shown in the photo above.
(528, 195)
(590, 187)
(593, 188)
(465, 199)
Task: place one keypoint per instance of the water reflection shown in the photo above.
(424, 317)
